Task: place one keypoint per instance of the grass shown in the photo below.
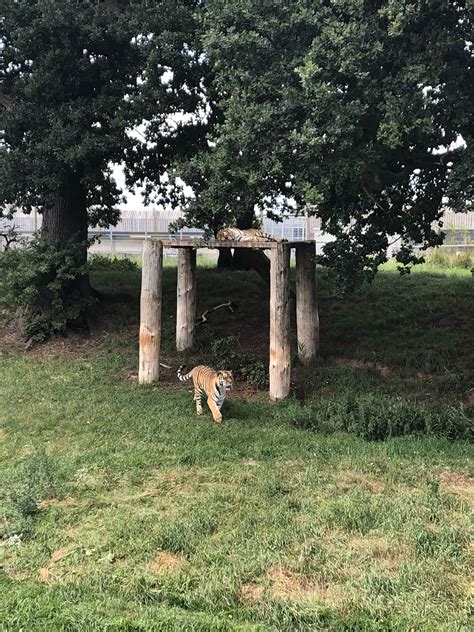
(134, 514)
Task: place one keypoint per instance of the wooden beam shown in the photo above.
(280, 359)
(186, 299)
(307, 318)
(150, 312)
(214, 243)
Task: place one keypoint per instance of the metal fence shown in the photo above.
(135, 226)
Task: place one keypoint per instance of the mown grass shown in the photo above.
(137, 515)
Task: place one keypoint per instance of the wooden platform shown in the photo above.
(307, 322)
(214, 243)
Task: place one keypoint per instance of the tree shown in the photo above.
(343, 107)
(75, 78)
(66, 70)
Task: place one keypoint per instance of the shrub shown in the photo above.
(378, 417)
(224, 352)
(463, 260)
(255, 374)
(438, 257)
(119, 264)
(42, 279)
(35, 478)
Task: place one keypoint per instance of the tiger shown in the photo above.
(215, 384)
(247, 234)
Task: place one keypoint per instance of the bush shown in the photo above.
(255, 374)
(443, 259)
(225, 354)
(42, 279)
(378, 417)
(119, 264)
(34, 479)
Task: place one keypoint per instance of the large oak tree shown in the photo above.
(349, 108)
(75, 81)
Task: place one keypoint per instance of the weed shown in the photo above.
(374, 416)
(224, 352)
(98, 263)
(255, 374)
(33, 479)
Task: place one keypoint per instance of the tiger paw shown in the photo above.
(199, 412)
(218, 419)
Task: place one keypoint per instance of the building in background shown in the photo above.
(134, 226)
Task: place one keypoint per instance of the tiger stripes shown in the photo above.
(247, 234)
(214, 384)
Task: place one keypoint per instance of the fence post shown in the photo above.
(186, 298)
(307, 318)
(150, 312)
(280, 360)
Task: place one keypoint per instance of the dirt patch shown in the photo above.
(470, 397)
(49, 574)
(282, 583)
(356, 364)
(376, 548)
(458, 482)
(44, 575)
(251, 592)
(116, 498)
(351, 478)
(56, 502)
(285, 584)
(3, 434)
(165, 562)
(61, 553)
(250, 462)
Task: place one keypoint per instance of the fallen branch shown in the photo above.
(203, 318)
(165, 366)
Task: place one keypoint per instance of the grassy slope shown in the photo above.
(158, 520)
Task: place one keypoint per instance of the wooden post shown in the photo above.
(280, 360)
(307, 318)
(186, 298)
(150, 312)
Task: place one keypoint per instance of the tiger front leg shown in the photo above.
(197, 397)
(216, 413)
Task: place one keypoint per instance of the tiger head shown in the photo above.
(225, 379)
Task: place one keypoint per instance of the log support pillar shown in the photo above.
(186, 299)
(280, 353)
(307, 318)
(150, 312)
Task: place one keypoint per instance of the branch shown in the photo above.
(6, 101)
(202, 319)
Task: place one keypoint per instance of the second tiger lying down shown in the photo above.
(214, 383)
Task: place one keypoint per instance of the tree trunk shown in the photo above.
(224, 262)
(186, 298)
(280, 351)
(66, 221)
(242, 260)
(150, 311)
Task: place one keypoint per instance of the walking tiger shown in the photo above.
(215, 384)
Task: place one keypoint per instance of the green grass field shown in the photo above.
(134, 514)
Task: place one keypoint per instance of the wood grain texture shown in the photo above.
(280, 358)
(186, 299)
(307, 317)
(150, 312)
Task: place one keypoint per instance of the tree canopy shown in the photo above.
(347, 108)
(75, 77)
